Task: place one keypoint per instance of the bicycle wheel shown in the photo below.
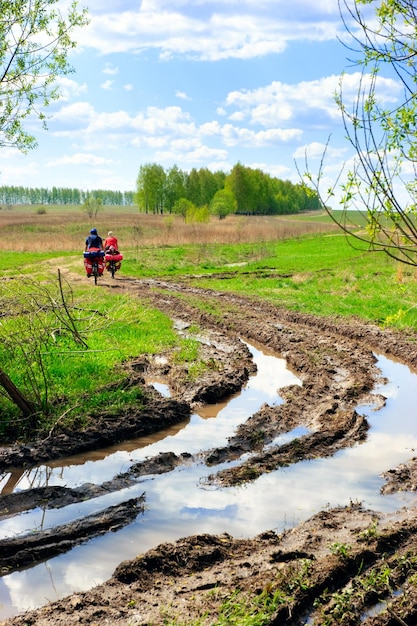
(95, 272)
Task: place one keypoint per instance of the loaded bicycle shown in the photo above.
(113, 260)
(94, 263)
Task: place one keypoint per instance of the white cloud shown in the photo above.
(71, 119)
(211, 128)
(203, 30)
(107, 84)
(276, 170)
(11, 174)
(237, 116)
(80, 159)
(316, 150)
(70, 88)
(10, 153)
(233, 136)
(192, 157)
(280, 102)
(182, 95)
(387, 89)
(110, 69)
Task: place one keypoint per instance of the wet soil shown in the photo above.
(330, 569)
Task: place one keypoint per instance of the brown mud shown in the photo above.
(330, 569)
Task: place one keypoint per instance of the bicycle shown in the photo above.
(94, 263)
(94, 270)
(113, 260)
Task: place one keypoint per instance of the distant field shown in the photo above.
(302, 262)
(64, 228)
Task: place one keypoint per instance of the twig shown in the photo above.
(61, 417)
(74, 328)
(396, 617)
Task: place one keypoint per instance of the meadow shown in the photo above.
(299, 262)
(302, 262)
(27, 228)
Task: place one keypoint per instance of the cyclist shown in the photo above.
(93, 240)
(111, 241)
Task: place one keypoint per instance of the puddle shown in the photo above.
(296, 433)
(377, 608)
(179, 503)
(162, 388)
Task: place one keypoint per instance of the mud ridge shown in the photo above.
(32, 548)
(330, 557)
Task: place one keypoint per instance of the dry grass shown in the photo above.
(24, 229)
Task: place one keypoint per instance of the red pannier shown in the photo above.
(115, 256)
(89, 256)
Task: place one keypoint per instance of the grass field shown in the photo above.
(66, 227)
(302, 263)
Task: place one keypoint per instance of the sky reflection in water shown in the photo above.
(179, 504)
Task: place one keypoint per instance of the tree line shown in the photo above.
(193, 194)
(202, 192)
(61, 195)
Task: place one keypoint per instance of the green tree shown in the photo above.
(263, 193)
(150, 188)
(192, 186)
(257, 193)
(196, 214)
(174, 187)
(34, 42)
(239, 182)
(183, 207)
(382, 183)
(92, 206)
(209, 183)
(202, 184)
(223, 203)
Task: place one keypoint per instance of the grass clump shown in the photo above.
(57, 354)
(241, 609)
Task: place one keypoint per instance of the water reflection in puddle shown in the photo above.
(178, 505)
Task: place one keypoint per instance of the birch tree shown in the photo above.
(382, 128)
(35, 38)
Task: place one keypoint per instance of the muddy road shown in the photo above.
(332, 569)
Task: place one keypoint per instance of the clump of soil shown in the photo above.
(332, 568)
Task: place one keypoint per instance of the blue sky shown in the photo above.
(194, 83)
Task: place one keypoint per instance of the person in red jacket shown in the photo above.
(110, 241)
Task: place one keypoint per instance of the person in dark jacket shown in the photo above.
(93, 240)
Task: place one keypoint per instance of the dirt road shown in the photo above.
(330, 569)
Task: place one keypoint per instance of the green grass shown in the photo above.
(241, 610)
(13, 264)
(322, 275)
(319, 253)
(192, 258)
(114, 332)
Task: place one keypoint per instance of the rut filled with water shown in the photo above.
(184, 502)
